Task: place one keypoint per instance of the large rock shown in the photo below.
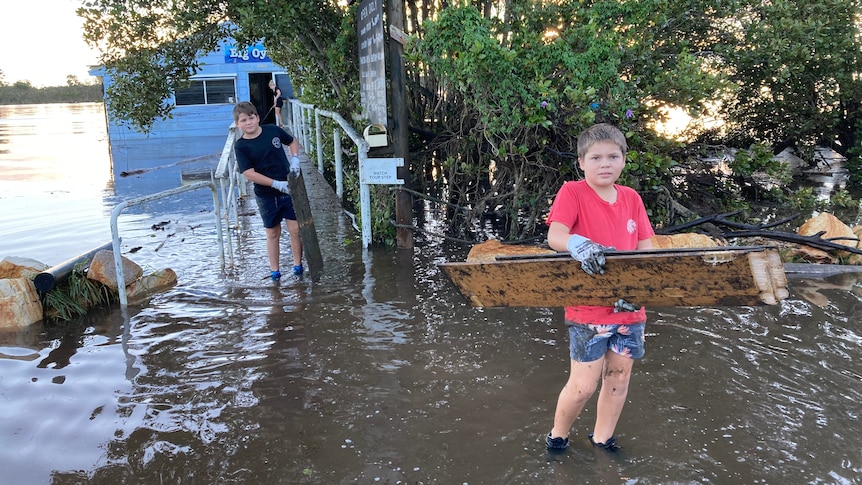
(487, 251)
(683, 240)
(856, 258)
(19, 303)
(102, 269)
(832, 228)
(18, 267)
(147, 286)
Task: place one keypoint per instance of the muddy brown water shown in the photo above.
(381, 373)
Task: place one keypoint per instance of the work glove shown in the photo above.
(281, 186)
(591, 255)
(624, 306)
(294, 165)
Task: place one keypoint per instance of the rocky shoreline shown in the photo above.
(21, 304)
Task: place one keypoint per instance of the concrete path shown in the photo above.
(250, 259)
(321, 195)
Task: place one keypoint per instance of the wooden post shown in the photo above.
(400, 131)
(310, 245)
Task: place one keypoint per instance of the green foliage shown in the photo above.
(499, 98)
(758, 158)
(854, 158)
(521, 102)
(804, 198)
(151, 48)
(759, 169)
(841, 198)
(382, 215)
(796, 66)
(647, 170)
(74, 297)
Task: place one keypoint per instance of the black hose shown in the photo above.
(51, 277)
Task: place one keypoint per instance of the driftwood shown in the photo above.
(721, 219)
(750, 230)
(815, 241)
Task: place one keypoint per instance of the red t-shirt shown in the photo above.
(621, 225)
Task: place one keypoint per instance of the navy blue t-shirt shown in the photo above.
(265, 154)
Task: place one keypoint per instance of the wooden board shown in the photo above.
(307, 231)
(721, 276)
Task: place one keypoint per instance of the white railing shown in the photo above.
(233, 187)
(302, 115)
(115, 230)
(232, 184)
(299, 123)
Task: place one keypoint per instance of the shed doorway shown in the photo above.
(261, 97)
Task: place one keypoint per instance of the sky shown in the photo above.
(42, 43)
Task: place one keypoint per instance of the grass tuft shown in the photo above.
(75, 296)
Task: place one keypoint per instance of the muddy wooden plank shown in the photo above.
(727, 276)
(307, 231)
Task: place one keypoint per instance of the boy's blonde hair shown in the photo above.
(243, 108)
(601, 132)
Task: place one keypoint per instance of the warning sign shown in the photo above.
(381, 171)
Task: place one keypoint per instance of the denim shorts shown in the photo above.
(588, 343)
(274, 209)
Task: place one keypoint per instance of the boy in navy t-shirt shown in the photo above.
(261, 157)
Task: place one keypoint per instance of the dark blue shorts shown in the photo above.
(274, 209)
(588, 343)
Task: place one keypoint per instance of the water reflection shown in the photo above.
(57, 179)
(380, 373)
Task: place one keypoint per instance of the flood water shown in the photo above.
(380, 373)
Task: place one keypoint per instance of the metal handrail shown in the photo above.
(301, 113)
(115, 231)
(298, 123)
(232, 184)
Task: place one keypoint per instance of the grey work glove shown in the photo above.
(281, 186)
(591, 255)
(294, 164)
(624, 306)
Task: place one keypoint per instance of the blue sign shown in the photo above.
(255, 53)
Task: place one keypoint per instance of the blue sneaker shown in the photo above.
(297, 270)
(276, 275)
(556, 444)
(609, 445)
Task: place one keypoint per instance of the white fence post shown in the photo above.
(339, 173)
(318, 138)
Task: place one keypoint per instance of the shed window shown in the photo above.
(207, 91)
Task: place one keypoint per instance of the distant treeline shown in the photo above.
(24, 93)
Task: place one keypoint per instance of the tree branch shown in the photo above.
(815, 241)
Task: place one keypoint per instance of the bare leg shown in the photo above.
(273, 246)
(295, 241)
(582, 384)
(615, 387)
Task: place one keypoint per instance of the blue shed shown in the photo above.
(203, 111)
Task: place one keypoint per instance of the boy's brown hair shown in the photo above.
(243, 108)
(601, 132)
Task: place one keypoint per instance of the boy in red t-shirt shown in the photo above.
(587, 217)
